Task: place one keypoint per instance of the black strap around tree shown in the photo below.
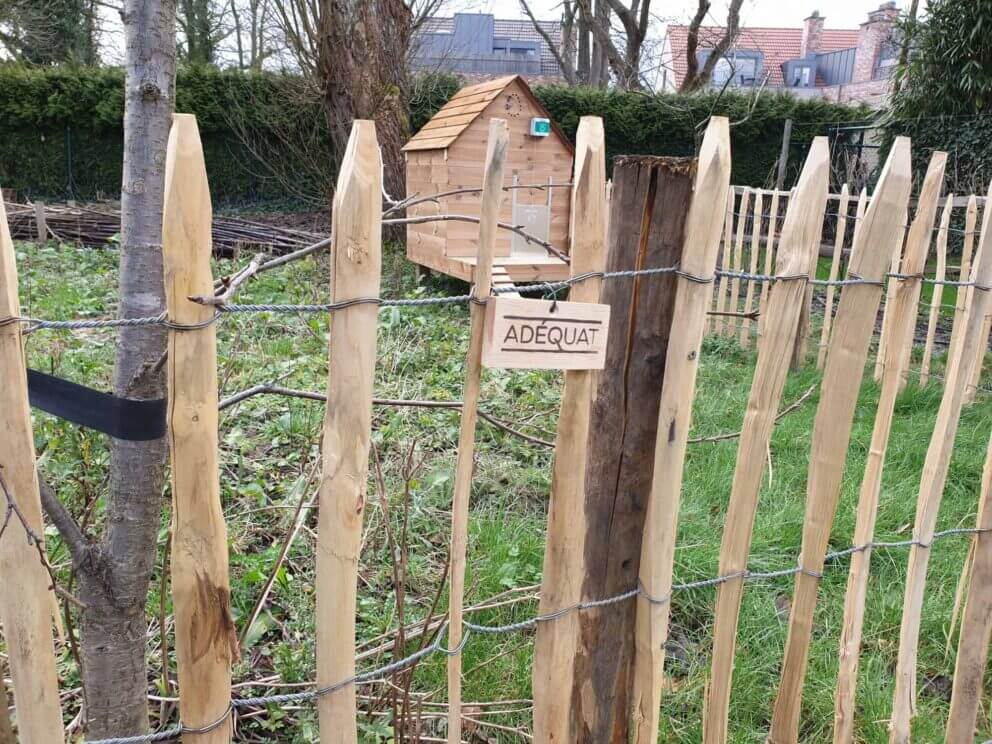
(121, 418)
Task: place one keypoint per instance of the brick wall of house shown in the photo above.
(874, 33)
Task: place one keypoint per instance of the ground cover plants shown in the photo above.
(269, 471)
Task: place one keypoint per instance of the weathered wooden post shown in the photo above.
(649, 207)
(25, 592)
(976, 624)
(40, 223)
(492, 197)
(356, 256)
(720, 303)
(797, 248)
(903, 325)
(932, 486)
(206, 642)
(561, 587)
(846, 357)
(702, 241)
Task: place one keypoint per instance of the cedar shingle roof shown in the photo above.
(463, 108)
(778, 45)
(455, 116)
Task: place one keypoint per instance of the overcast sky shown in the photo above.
(838, 13)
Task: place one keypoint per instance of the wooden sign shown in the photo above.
(543, 334)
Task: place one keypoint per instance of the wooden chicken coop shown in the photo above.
(449, 154)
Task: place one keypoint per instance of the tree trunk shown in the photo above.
(6, 730)
(582, 66)
(114, 627)
(650, 202)
(363, 45)
(599, 76)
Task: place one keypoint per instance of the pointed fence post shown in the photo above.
(976, 624)
(883, 336)
(797, 248)
(938, 290)
(846, 358)
(903, 326)
(735, 283)
(356, 256)
(964, 274)
(745, 337)
(699, 250)
(725, 264)
(492, 197)
(25, 587)
(932, 483)
(561, 587)
(206, 642)
(769, 261)
(828, 305)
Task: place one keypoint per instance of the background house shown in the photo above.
(479, 46)
(844, 65)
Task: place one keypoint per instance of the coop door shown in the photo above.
(534, 219)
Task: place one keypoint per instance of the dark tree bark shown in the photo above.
(696, 78)
(582, 63)
(651, 197)
(114, 580)
(360, 64)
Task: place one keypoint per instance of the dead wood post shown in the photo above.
(40, 224)
(934, 477)
(964, 274)
(206, 642)
(903, 326)
(356, 256)
(976, 624)
(492, 196)
(846, 357)
(938, 290)
(26, 599)
(702, 241)
(783, 155)
(828, 305)
(797, 249)
(561, 587)
(650, 203)
(745, 337)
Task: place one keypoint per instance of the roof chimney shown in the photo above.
(812, 35)
(874, 32)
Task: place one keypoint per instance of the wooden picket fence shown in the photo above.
(763, 234)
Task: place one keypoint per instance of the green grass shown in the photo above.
(268, 446)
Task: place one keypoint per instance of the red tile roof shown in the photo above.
(777, 44)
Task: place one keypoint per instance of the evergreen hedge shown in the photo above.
(61, 134)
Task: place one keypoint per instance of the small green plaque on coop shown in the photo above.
(540, 127)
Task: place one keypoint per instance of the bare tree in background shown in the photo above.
(356, 51)
(114, 570)
(253, 32)
(600, 53)
(696, 77)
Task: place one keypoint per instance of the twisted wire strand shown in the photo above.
(35, 324)
(437, 645)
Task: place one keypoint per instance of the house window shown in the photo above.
(740, 68)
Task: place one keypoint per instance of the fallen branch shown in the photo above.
(266, 389)
(518, 229)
